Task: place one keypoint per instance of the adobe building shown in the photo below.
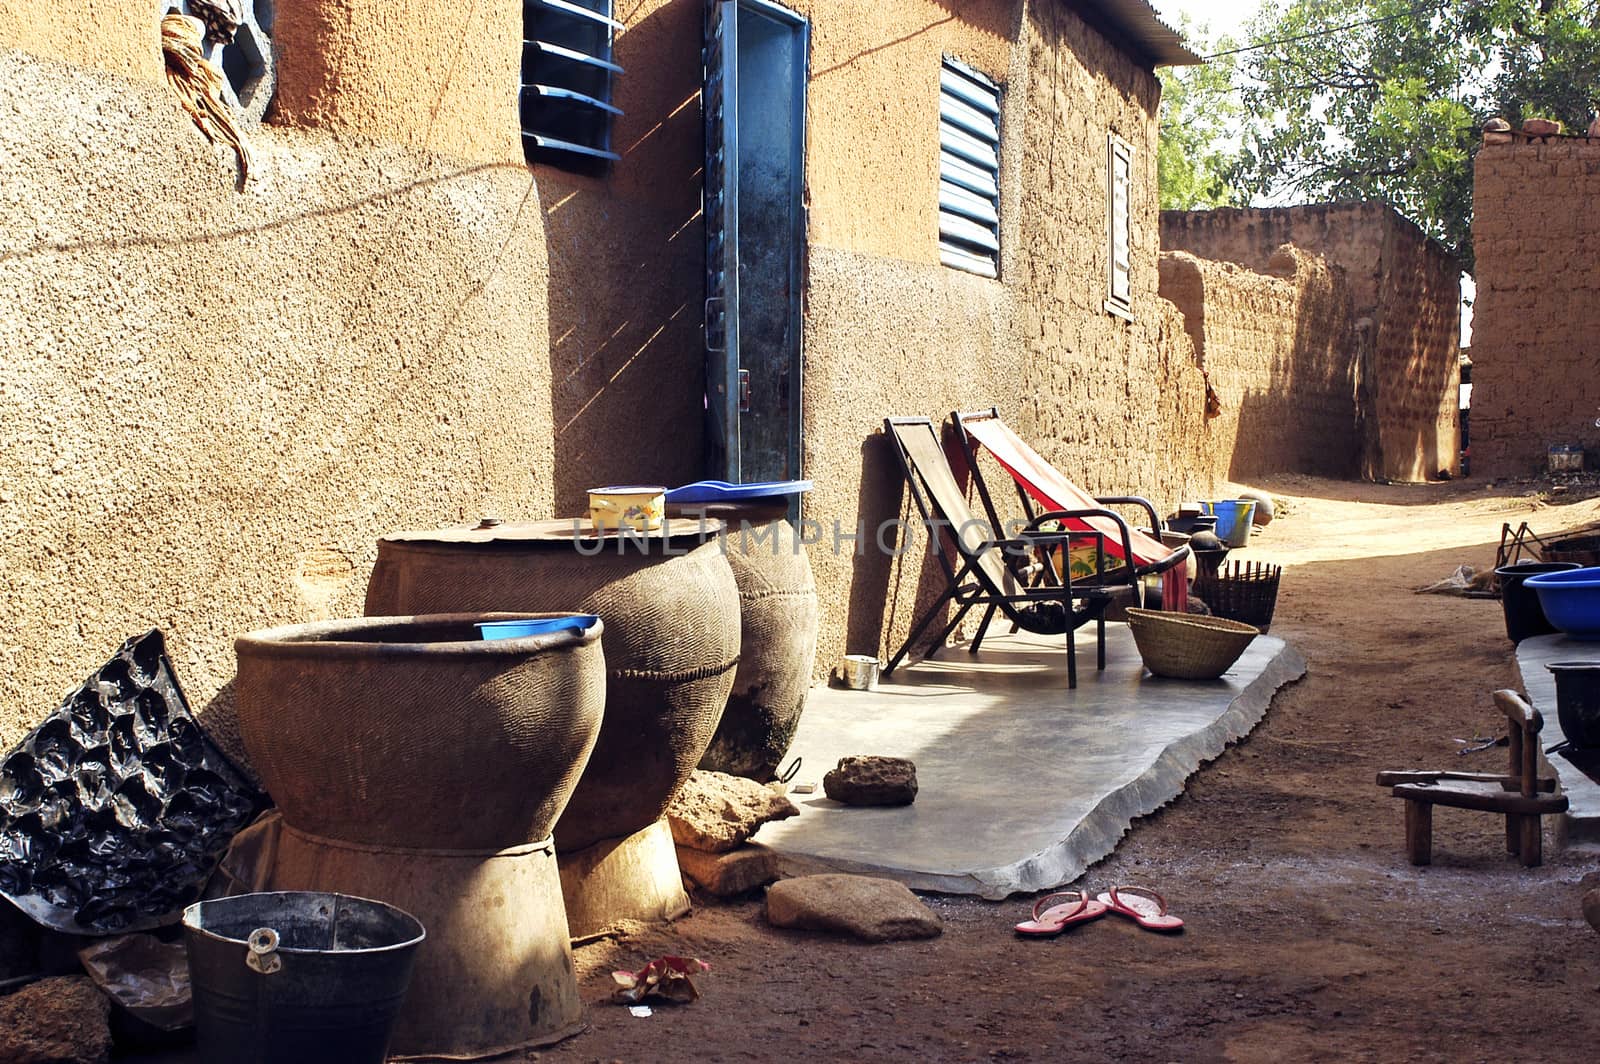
(439, 296)
(1405, 296)
(1534, 384)
(1276, 348)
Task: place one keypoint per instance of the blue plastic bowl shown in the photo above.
(1570, 600)
(577, 622)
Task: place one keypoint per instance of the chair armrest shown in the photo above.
(1134, 500)
(1079, 515)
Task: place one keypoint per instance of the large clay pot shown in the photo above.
(671, 611)
(412, 731)
(417, 764)
(778, 614)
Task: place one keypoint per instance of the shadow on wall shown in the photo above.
(627, 265)
(900, 563)
(1306, 418)
(882, 501)
(1416, 363)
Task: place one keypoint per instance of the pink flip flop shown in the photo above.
(1077, 908)
(1141, 905)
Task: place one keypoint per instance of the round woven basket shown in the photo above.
(1186, 647)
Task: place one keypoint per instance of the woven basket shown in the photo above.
(1186, 647)
(1240, 591)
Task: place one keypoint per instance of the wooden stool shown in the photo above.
(1522, 794)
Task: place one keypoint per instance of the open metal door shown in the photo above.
(720, 106)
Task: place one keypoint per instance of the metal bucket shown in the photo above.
(298, 977)
(1524, 616)
(1578, 701)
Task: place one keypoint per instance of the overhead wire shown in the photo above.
(1425, 5)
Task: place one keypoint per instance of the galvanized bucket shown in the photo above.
(298, 977)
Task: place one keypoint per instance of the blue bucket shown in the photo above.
(1234, 517)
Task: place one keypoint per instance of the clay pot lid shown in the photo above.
(558, 531)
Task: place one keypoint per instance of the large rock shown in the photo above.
(872, 781)
(714, 811)
(871, 909)
(725, 875)
(65, 1020)
(1591, 908)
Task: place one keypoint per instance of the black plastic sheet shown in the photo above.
(116, 809)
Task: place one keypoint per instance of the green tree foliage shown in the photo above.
(1549, 60)
(1200, 112)
(1384, 99)
(1343, 111)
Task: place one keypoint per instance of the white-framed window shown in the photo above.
(567, 75)
(1119, 180)
(969, 170)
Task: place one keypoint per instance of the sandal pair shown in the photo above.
(1140, 904)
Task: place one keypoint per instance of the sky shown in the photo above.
(1221, 16)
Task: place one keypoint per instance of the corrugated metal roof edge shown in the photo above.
(1140, 26)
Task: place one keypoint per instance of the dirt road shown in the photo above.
(1309, 937)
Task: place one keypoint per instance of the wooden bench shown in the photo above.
(1522, 794)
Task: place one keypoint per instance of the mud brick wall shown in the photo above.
(1534, 352)
(1276, 347)
(1406, 286)
(1116, 404)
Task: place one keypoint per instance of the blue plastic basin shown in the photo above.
(1570, 600)
(576, 622)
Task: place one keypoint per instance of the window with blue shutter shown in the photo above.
(567, 72)
(969, 170)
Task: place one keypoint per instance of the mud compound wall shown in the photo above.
(1537, 239)
(218, 397)
(1405, 285)
(1416, 358)
(1276, 347)
(891, 331)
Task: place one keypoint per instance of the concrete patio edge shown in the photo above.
(1097, 834)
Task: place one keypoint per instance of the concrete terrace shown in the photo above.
(1023, 783)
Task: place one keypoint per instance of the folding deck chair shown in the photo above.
(993, 568)
(1037, 481)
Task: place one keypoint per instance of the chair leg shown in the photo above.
(977, 640)
(1531, 850)
(1100, 640)
(1072, 660)
(1419, 832)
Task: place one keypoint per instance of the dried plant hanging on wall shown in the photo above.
(198, 84)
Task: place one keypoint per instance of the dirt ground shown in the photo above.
(1309, 937)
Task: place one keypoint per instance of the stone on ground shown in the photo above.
(872, 781)
(725, 875)
(871, 909)
(65, 1020)
(715, 812)
(1591, 908)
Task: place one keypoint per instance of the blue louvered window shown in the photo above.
(969, 170)
(567, 74)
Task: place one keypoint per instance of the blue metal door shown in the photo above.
(720, 106)
(756, 55)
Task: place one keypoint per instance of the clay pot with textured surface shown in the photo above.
(412, 731)
(778, 614)
(671, 611)
(417, 764)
